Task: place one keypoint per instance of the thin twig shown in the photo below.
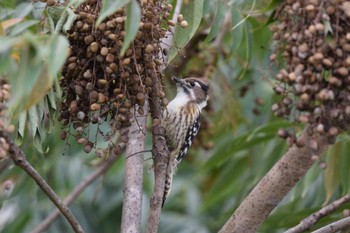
(335, 226)
(139, 152)
(275, 185)
(20, 160)
(133, 176)
(309, 221)
(76, 192)
(245, 18)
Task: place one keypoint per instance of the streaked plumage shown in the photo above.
(181, 120)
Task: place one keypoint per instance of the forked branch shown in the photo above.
(308, 222)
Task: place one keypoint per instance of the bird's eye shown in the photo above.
(192, 84)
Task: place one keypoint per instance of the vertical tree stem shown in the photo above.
(160, 159)
(133, 176)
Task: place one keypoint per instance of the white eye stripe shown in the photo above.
(197, 84)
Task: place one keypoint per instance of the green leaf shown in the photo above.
(237, 30)
(5, 13)
(24, 78)
(271, 19)
(227, 145)
(210, 7)
(20, 223)
(40, 62)
(344, 171)
(60, 19)
(109, 7)
(60, 23)
(22, 119)
(6, 43)
(331, 174)
(33, 120)
(70, 20)
(218, 20)
(50, 116)
(20, 27)
(22, 10)
(38, 142)
(58, 52)
(55, 12)
(225, 184)
(247, 45)
(132, 23)
(52, 98)
(193, 13)
(31, 80)
(51, 23)
(271, 6)
(270, 128)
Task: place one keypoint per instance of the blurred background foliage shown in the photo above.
(230, 43)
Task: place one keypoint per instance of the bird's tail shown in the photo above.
(169, 179)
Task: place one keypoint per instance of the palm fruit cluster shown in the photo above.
(313, 41)
(5, 127)
(101, 85)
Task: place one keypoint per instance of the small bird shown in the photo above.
(181, 121)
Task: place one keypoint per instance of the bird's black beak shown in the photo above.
(177, 80)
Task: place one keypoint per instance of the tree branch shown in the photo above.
(160, 151)
(133, 176)
(335, 226)
(76, 192)
(306, 223)
(275, 185)
(160, 154)
(19, 159)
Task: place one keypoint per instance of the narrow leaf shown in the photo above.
(33, 120)
(237, 31)
(131, 24)
(6, 43)
(331, 175)
(9, 23)
(42, 84)
(22, 119)
(58, 52)
(51, 23)
(70, 20)
(109, 7)
(218, 20)
(55, 12)
(193, 12)
(20, 27)
(61, 22)
(22, 10)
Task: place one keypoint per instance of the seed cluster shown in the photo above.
(100, 85)
(5, 127)
(313, 39)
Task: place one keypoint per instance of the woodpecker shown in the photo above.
(181, 120)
